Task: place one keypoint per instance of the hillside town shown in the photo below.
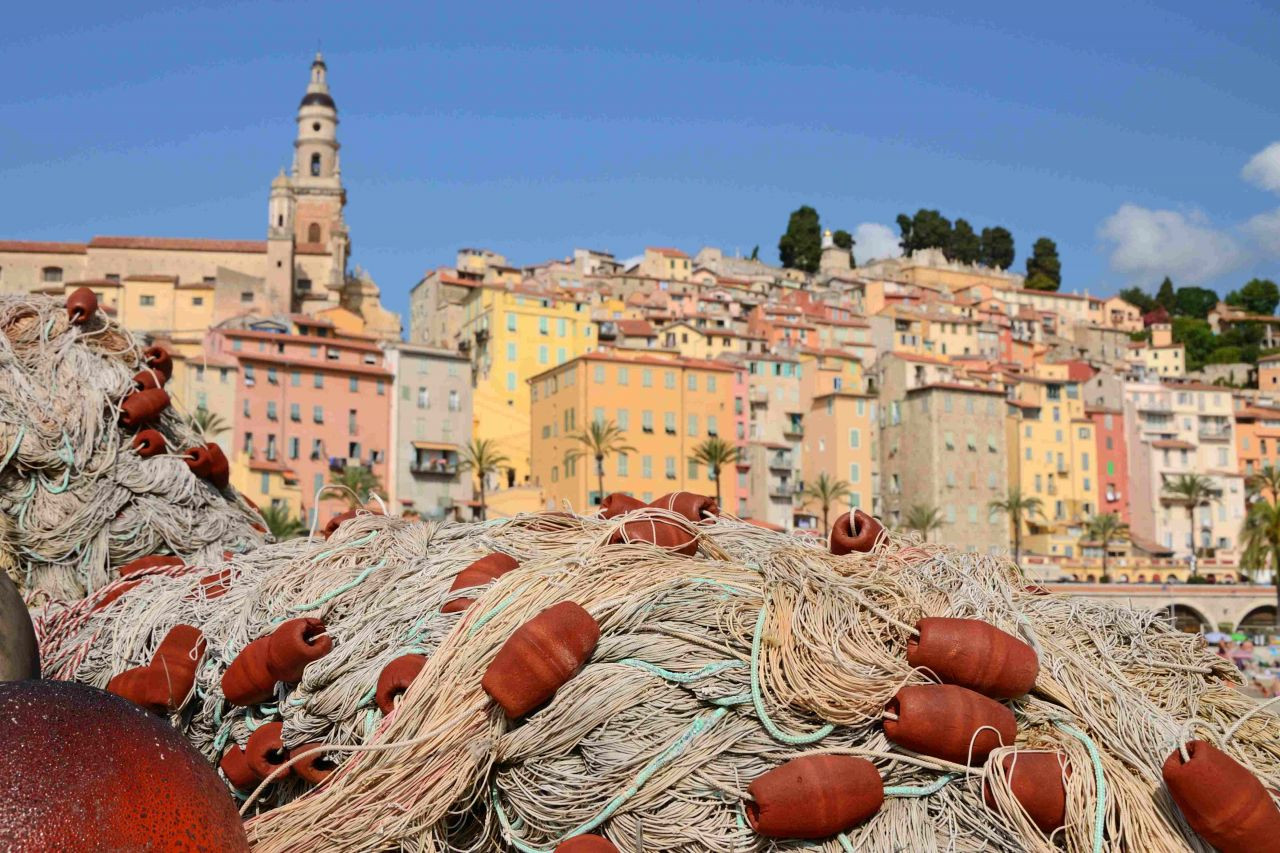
(941, 395)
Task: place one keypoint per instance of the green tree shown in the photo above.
(1138, 298)
(924, 519)
(1226, 355)
(717, 454)
(1106, 528)
(1259, 296)
(928, 229)
(359, 481)
(1017, 507)
(600, 440)
(1194, 302)
(482, 457)
(997, 248)
(800, 247)
(208, 424)
(1192, 491)
(1166, 297)
(281, 524)
(1265, 483)
(755, 253)
(1044, 270)
(966, 247)
(843, 239)
(1197, 337)
(826, 490)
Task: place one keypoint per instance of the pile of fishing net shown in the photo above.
(97, 469)
(673, 681)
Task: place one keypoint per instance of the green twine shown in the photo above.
(758, 698)
(923, 791)
(682, 677)
(332, 594)
(57, 490)
(486, 618)
(22, 429)
(363, 540)
(1100, 807)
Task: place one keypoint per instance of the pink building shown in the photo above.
(740, 414)
(1113, 460)
(309, 401)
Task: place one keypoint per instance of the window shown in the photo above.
(315, 168)
(317, 451)
(951, 513)
(511, 381)
(712, 427)
(246, 296)
(294, 447)
(669, 379)
(246, 408)
(455, 401)
(646, 466)
(622, 465)
(146, 300)
(271, 410)
(318, 381)
(304, 285)
(646, 420)
(248, 443)
(561, 327)
(250, 377)
(855, 438)
(544, 355)
(265, 483)
(711, 384)
(693, 425)
(380, 387)
(624, 419)
(197, 300)
(317, 414)
(271, 448)
(624, 376)
(671, 467)
(424, 398)
(855, 473)
(562, 355)
(1086, 484)
(646, 378)
(597, 414)
(353, 384)
(971, 441)
(295, 413)
(51, 274)
(669, 422)
(693, 382)
(951, 479)
(1084, 463)
(544, 326)
(693, 469)
(949, 440)
(511, 322)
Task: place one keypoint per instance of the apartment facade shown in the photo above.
(1113, 460)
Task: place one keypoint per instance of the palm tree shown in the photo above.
(1017, 508)
(357, 482)
(1265, 481)
(826, 491)
(207, 423)
(925, 519)
(599, 440)
(1194, 491)
(1105, 528)
(281, 524)
(483, 458)
(716, 454)
(1260, 537)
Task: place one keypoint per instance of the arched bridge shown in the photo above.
(1212, 605)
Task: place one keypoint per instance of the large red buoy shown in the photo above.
(317, 766)
(974, 654)
(280, 656)
(159, 360)
(199, 461)
(1221, 800)
(586, 844)
(814, 796)
(155, 561)
(667, 534)
(1037, 781)
(81, 305)
(162, 686)
(144, 379)
(540, 656)
(695, 507)
(220, 471)
(618, 503)
(265, 750)
(337, 520)
(856, 532)
(143, 407)
(487, 568)
(948, 722)
(148, 442)
(395, 679)
(235, 766)
(84, 770)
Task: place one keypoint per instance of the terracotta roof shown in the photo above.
(266, 465)
(635, 328)
(667, 252)
(343, 342)
(93, 282)
(179, 244)
(152, 278)
(925, 359)
(313, 363)
(36, 247)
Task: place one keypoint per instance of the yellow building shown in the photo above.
(664, 406)
(514, 332)
(1052, 453)
(840, 441)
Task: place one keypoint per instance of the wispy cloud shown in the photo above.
(1263, 169)
(1150, 244)
(873, 241)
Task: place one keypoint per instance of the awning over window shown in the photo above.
(434, 445)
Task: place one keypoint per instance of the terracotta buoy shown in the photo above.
(692, 506)
(395, 679)
(112, 592)
(1221, 800)
(1036, 780)
(85, 770)
(316, 767)
(220, 472)
(280, 656)
(159, 360)
(143, 407)
(81, 305)
(540, 657)
(337, 520)
(949, 722)
(854, 532)
(618, 503)
(814, 796)
(148, 443)
(162, 686)
(479, 573)
(235, 766)
(155, 561)
(199, 461)
(663, 532)
(974, 654)
(19, 652)
(216, 585)
(265, 750)
(586, 844)
(145, 379)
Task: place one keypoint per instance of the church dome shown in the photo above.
(321, 98)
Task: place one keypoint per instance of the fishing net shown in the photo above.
(710, 670)
(77, 498)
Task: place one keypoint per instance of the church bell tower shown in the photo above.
(317, 179)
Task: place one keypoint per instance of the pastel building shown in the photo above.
(1113, 460)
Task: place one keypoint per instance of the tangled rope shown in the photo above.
(709, 671)
(80, 499)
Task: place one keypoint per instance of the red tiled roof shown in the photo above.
(344, 342)
(956, 386)
(312, 363)
(152, 278)
(179, 244)
(36, 247)
(670, 253)
(636, 328)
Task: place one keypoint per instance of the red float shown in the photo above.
(199, 461)
(814, 796)
(148, 443)
(316, 767)
(113, 592)
(220, 473)
(540, 657)
(618, 503)
(265, 750)
(1221, 800)
(247, 680)
(156, 561)
(692, 506)
(235, 766)
(586, 844)
(336, 522)
(479, 573)
(1037, 781)
(144, 379)
(295, 644)
(162, 686)
(85, 770)
(857, 532)
(81, 305)
(974, 654)
(948, 722)
(216, 585)
(143, 407)
(159, 360)
(663, 532)
(395, 679)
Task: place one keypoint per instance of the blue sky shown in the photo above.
(1120, 130)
